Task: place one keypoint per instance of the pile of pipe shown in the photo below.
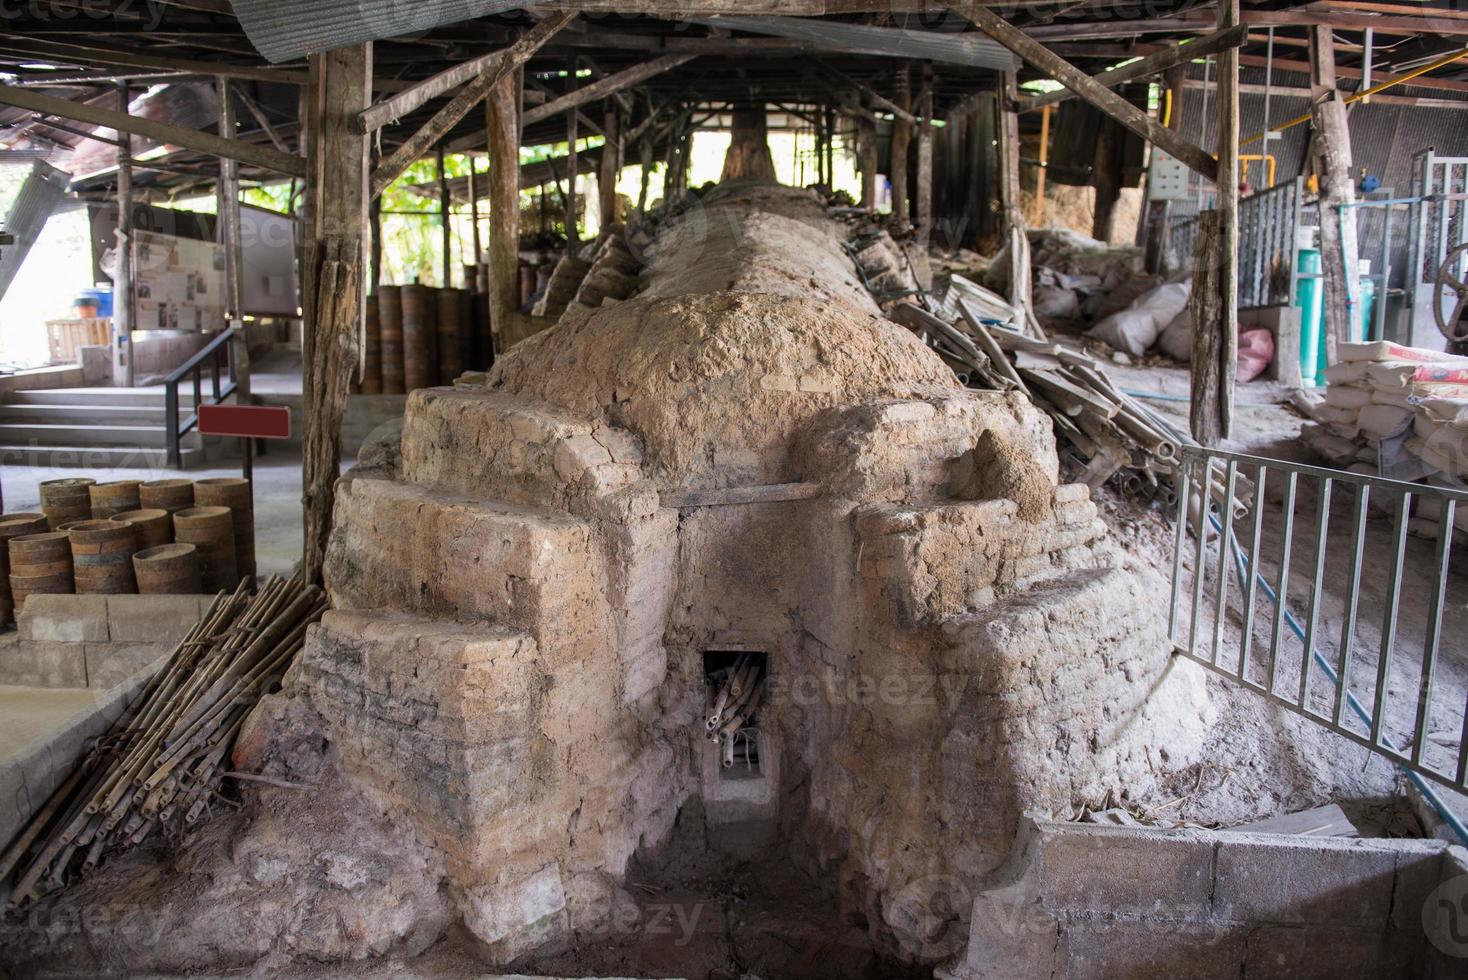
(739, 693)
(1111, 435)
(160, 767)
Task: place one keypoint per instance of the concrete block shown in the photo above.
(50, 664)
(1153, 950)
(1118, 870)
(156, 619)
(64, 619)
(109, 664)
(1309, 881)
(1317, 953)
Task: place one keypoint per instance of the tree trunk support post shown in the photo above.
(341, 87)
(1214, 301)
(611, 166)
(1332, 162)
(502, 124)
(1017, 243)
(230, 237)
(901, 140)
(122, 283)
(923, 204)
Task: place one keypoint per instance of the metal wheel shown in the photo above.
(1452, 327)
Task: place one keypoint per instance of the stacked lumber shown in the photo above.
(160, 767)
(1114, 435)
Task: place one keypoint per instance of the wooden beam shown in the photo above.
(80, 54)
(770, 493)
(122, 284)
(335, 254)
(191, 139)
(375, 117)
(1152, 64)
(1012, 218)
(1085, 86)
(923, 204)
(873, 96)
(611, 167)
(502, 126)
(603, 87)
(1332, 162)
(901, 141)
(469, 96)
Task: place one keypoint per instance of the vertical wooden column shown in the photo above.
(374, 220)
(1011, 216)
(644, 160)
(445, 219)
(477, 245)
(573, 166)
(924, 202)
(122, 279)
(502, 124)
(611, 166)
(1106, 171)
(1214, 301)
(830, 145)
(866, 145)
(230, 236)
(1332, 162)
(901, 140)
(341, 87)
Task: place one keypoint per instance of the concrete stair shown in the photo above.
(96, 428)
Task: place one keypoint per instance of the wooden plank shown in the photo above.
(192, 139)
(335, 252)
(468, 97)
(603, 87)
(1332, 161)
(733, 496)
(1152, 64)
(1085, 86)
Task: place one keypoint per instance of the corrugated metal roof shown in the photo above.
(284, 30)
(971, 49)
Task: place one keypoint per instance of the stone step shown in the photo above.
(103, 457)
(80, 434)
(46, 413)
(98, 396)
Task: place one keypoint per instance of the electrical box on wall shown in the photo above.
(1167, 178)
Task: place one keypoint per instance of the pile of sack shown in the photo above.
(1395, 411)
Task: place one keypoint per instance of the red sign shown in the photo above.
(246, 421)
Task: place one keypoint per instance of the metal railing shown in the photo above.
(1267, 229)
(1323, 626)
(215, 357)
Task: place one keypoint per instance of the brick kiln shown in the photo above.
(540, 597)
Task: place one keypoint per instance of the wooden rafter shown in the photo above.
(251, 153)
(605, 86)
(1086, 87)
(1152, 64)
(469, 96)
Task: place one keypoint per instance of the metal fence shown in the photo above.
(1439, 222)
(1268, 223)
(1283, 582)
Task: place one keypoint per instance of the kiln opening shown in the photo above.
(736, 684)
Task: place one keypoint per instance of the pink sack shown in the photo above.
(1256, 350)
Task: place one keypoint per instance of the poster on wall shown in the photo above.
(179, 283)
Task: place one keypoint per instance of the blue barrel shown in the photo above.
(102, 298)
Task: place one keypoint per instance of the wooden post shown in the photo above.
(924, 200)
(1214, 301)
(474, 219)
(374, 220)
(866, 145)
(1045, 112)
(122, 280)
(1011, 215)
(611, 166)
(341, 87)
(901, 138)
(1106, 172)
(573, 166)
(644, 159)
(445, 220)
(1332, 162)
(502, 124)
(228, 206)
(830, 116)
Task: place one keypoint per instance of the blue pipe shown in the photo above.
(1422, 785)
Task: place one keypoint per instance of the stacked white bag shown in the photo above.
(1382, 391)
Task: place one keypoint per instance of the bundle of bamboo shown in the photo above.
(161, 765)
(741, 689)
